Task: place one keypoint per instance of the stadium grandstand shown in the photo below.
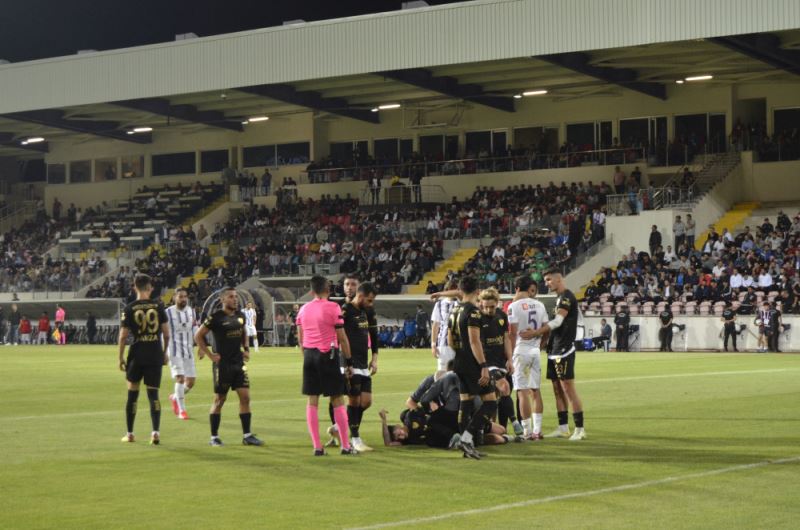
(647, 152)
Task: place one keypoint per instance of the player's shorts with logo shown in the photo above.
(135, 372)
(527, 369)
(250, 331)
(446, 354)
(321, 373)
(182, 366)
(561, 367)
(229, 376)
(360, 383)
(468, 382)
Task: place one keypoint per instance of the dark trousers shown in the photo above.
(730, 331)
(679, 240)
(622, 338)
(665, 336)
(772, 339)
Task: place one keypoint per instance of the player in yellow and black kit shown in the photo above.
(229, 370)
(361, 328)
(146, 321)
(471, 368)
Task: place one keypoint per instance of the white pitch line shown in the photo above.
(301, 398)
(579, 494)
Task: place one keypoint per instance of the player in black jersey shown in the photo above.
(497, 344)
(729, 318)
(146, 321)
(665, 332)
(361, 328)
(623, 321)
(561, 357)
(471, 367)
(229, 371)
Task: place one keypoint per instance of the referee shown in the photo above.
(319, 326)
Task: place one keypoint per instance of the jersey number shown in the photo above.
(146, 320)
(532, 320)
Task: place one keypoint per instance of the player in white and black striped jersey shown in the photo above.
(250, 317)
(440, 316)
(180, 349)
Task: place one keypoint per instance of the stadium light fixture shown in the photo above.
(374, 109)
(258, 118)
(142, 129)
(389, 106)
(535, 93)
(34, 140)
(517, 96)
(245, 122)
(700, 78)
(679, 81)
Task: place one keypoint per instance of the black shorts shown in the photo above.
(561, 368)
(359, 384)
(136, 371)
(229, 377)
(468, 383)
(321, 374)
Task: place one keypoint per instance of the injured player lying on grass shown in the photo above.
(431, 418)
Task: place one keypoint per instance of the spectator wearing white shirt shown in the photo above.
(748, 281)
(669, 255)
(718, 270)
(764, 280)
(616, 291)
(727, 236)
(679, 229)
(737, 281)
(499, 252)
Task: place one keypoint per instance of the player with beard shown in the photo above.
(180, 350)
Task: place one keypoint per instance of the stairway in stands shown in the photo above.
(732, 219)
(455, 263)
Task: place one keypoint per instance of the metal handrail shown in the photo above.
(427, 193)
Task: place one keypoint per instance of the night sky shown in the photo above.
(36, 29)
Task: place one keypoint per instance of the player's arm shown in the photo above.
(373, 341)
(165, 338)
(474, 333)
(551, 325)
(123, 340)
(508, 351)
(452, 293)
(202, 345)
(435, 333)
(300, 336)
(387, 438)
(245, 346)
(344, 346)
(513, 331)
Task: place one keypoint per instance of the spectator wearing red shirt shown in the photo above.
(25, 330)
(44, 328)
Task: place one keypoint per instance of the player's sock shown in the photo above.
(215, 420)
(354, 419)
(130, 408)
(312, 419)
(330, 414)
(255, 344)
(537, 422)
(563, 421)
(340, 414)
(483, 417)
(245, 418)
(180, 394)
(155, 407)
(466, 437)
(466, 411)
(578, 417)
(506, 410)
(527, 425)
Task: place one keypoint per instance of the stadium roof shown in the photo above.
(199, 89)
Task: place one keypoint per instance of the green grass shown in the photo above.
(648, 416)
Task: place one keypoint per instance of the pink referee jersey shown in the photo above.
(319, 320)
(61, 315)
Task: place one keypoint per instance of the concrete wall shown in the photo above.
(702, 333)
(634, 231)
(772, 181)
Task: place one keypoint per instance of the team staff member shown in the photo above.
(229, 370)
(774, 328)
(146, 320)
(622, 320)
(729, 318)
(471, 367)
(361, 328)
(665, 333)
(561, 358)
(494, 334)
(319, 326)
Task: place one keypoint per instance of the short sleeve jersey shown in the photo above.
(665, 316)
(465, 317)
(728, 314)
(143, 318)
(357, 324)
(564, 335)
(493, 334)
(227, 331)
(527, 313)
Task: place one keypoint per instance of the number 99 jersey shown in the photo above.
(143, 318)
(527, 313)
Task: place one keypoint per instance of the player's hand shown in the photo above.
(200, 354)
(435, 352)
(528, 334)
(348, 372)
(433, 406)
(123, 366)
(373, 367)
(166, 360)
(435, 296)
(382, 413)
(510, 367)
(484, 380)
(246, 355)
(215, 357)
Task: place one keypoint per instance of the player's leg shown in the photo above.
(353, 408)
(246, 416)
(553, 374)
(480, 420)
(178, 396)
(215, 415)
(364, 402)
(505, 406)
(130, 404)
(669, 338)
(568, 386)
(152, 380)
(536, 384)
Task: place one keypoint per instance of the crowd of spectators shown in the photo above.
(744, 269)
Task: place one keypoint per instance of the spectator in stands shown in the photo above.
(679, 230)
(266, 182)
(619, 180)
(398, 338)
(655, 239)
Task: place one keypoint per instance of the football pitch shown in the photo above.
(678, 440)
